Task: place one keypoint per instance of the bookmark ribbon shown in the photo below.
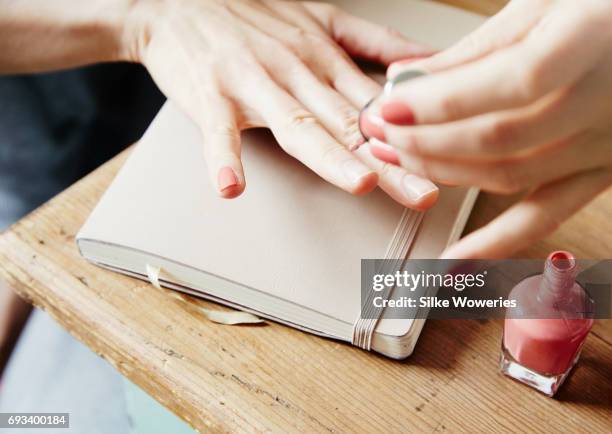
(396, 255)
(234, 317)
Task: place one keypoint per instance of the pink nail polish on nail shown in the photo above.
(384, 152)
(226, 178)
(544, 334)
(398, 113)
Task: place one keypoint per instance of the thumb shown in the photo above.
(532, 219)
(507, 27)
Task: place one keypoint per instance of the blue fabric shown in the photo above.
(57, 127)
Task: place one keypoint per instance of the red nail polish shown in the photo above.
(398, 113)
(543, 335)
(226, 178)
(384, 152)
(369, 128)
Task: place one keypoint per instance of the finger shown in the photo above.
(501, 134)
(364, 39)
(332, 110)
(296, 14)
(340, 118)
(532, 219)
(222, 146)
(383, 151)
(325, 60)
(580, 153)
(507, 27)
(301, 135)
(350, 81)
(409, 190)
(509, 78)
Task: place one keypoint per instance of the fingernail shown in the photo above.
(417, 188)
(384, 152)
(226, 178)
(355, 171)
(398, 113)
(371, 125)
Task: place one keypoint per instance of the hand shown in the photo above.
(524, 102)
(238, 64)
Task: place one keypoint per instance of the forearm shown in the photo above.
(42, 35)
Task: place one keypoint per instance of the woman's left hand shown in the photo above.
(524, 102)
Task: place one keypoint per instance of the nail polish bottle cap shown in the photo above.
(407, 75)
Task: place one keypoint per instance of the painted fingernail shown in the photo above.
(417, 188)
(354, 171)
(384, 152)
(398, 113)
(226, 178)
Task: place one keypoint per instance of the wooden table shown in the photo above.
(275, 378)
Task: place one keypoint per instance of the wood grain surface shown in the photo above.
(274, 378)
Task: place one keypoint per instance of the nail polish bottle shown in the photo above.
(544, 333)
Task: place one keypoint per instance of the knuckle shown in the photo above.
(418, 166)
(297, 39)
(348, 121)
(529, 81)
(332, 153)
(500, 134)
(506, 178)
(299, 33)
(317, 41)
(227, 132)
(547, 219)
(450, 107)
(246, 62)
(411, 143)
(300, 118)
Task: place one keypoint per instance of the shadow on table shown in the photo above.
(589, 383)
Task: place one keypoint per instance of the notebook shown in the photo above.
(290, 248)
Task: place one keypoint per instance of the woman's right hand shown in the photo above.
(233, 65)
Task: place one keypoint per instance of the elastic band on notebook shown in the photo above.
(395, 256)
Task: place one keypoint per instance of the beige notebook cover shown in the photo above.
(290, 247)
